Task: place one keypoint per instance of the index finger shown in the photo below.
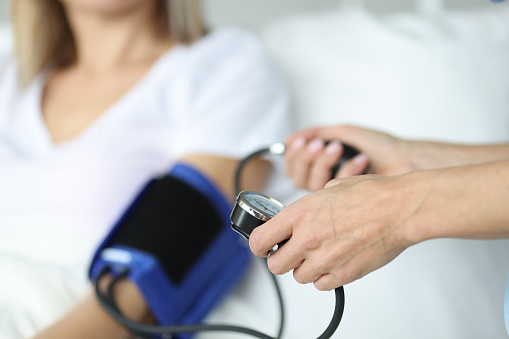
(265, 237)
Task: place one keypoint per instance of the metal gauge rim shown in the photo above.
(243, 203)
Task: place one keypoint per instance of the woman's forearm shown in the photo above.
(89, 320)
(222, 172)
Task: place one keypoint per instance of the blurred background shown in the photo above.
(253, 14)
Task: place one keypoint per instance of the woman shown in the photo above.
(102, 96)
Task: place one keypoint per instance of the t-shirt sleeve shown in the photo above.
(237, 99)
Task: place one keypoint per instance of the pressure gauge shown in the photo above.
(251, 210)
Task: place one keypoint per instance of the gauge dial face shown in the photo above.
(263, 204)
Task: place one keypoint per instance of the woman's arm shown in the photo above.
(222, 172)
(88, 319)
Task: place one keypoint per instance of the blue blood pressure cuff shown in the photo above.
(176, 245)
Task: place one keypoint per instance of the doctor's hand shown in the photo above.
(341, 233)
(309, 161)
(358, 224)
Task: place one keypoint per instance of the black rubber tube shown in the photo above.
(109, 304)
(338, 314)
(242, 164)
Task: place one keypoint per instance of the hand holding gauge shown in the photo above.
(253, 209)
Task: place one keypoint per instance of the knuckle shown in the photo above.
(322, 286)
(344, 276)
(329, 260)
(301, 279)
(332, 257)
(274, 266)
(323, 266)
(310, 243)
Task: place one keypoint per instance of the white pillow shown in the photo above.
(444, 77)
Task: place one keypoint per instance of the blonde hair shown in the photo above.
(43, 37)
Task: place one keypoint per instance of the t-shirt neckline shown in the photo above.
(36, 89)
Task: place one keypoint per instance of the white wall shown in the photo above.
(253, 13)
(3, 10)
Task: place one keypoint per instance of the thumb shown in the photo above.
(266, 236)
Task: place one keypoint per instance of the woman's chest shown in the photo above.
(73, 100)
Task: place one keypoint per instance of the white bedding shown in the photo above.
(43, 276)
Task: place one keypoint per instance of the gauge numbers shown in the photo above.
(263, 204)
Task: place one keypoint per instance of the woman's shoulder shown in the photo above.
(222, 52)
(229, 37)
(229, 44)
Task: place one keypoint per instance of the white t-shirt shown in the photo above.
(220, 96)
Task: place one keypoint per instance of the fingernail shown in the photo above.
(360, 158)
(298, 143)
(333, 147)
(315, 145)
